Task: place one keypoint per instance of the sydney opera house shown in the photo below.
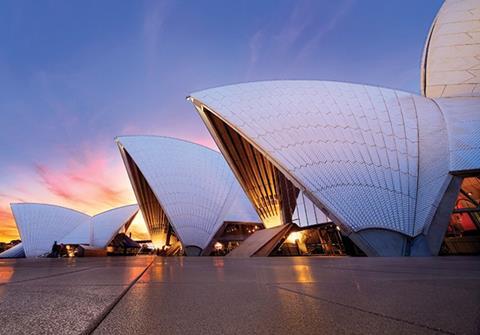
(386, 166)
(308, 167)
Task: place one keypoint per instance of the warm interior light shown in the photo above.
(294, 236)
(218, 246)
(272, 221)
(70, 251)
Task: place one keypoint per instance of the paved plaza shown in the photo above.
(302, 295)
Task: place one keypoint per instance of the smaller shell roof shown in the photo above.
(193, 184)
(106, 224)
(40, 225)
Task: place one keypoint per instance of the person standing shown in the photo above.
(55, 250)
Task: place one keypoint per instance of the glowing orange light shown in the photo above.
(294, 236)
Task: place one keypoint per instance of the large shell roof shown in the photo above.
(451, 64)
(373, 157)
(42, 224)
(192, 183)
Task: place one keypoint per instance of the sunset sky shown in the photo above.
(73, 75)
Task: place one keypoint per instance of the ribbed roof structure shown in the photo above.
(40, 225)
(462, 116)
(451, 63)
(192, 184)
(106, 224)
(362, 152)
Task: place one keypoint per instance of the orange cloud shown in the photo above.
(92, 182)
(8, 230)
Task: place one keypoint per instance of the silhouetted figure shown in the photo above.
(55, 250)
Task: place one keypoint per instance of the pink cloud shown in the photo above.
(93, 181)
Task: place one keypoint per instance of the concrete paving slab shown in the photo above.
(32, 309)
(66, 296)
(302, 295)
(428, 302)
(238, 309)
(208, 295)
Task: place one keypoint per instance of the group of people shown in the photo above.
(58, 250)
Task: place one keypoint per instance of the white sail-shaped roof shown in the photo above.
(241, 210)
(101, 228)
(192, 183)
(107, 224)
(40, 225)
(80, 235)
(451, 63)
(362, 153)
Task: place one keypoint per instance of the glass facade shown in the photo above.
(324, 239)
(463, 232)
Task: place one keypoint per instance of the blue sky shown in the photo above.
(73, 75)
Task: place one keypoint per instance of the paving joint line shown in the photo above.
(363, 310)
(98, 321)
(47, 276)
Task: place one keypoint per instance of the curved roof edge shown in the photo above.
(115, 208)
(118, 139)
(245, 83)
(16, 204)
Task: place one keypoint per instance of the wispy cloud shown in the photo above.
(300, 19)
(323, 29)
(297, 37)
(153, 24)
(254, 46)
